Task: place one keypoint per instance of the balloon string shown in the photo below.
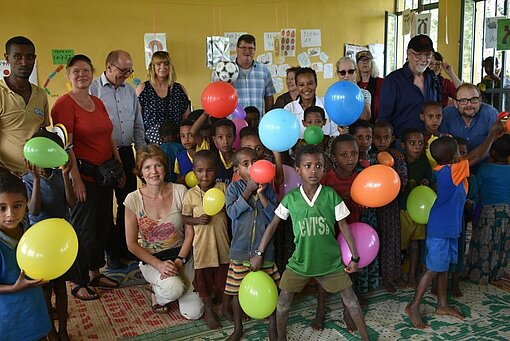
(154, 15)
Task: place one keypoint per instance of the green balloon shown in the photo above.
(313, 135)
(258, 295)
(419, 203)
(44, 153)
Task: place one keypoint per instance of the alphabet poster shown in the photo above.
(503, 34)
(153, 42)
(288, 42)
(491, 32)
(422, 23)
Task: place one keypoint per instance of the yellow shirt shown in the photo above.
(204, 146)
(18, 122)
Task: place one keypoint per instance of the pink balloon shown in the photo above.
(291, 180)
(367, 244)
(240, 124)
(239, 112)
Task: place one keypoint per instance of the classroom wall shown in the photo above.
(96, 27)
(448, 40)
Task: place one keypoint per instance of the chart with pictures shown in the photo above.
(288, 42)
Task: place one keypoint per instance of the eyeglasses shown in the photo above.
(472, 100)
(125, 72)
(344, 72)
(364, 60)
(422, 55)
(246, 48)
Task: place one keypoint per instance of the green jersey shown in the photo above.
(313, 222)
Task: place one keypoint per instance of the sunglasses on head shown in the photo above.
(344, 72)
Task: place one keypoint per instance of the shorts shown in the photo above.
(335, 282)
(206, 278)
(237, 270)
(441, 252)
(410, 230)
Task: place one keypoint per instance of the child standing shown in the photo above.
(432, 116)
(315, 210)
(224, 134)
(210, 243)
(192, 143)
(252, 116)
(251, 207)
(23, 311)
(445, 220)
(169, 134)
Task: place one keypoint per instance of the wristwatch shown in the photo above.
(259, 253)
(183, 260)
(354, 260)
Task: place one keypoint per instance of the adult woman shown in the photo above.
(153, 214)
(448, 86)
(346, 69)
(90, 131)
(293, 92)
(368, 79)
(162, 99)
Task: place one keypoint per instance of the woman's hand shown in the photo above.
(167, 268)
(79, 189)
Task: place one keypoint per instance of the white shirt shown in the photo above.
(330, 128)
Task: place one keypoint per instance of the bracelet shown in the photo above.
(182, 259)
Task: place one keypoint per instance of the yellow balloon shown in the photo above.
(432, 161)
(214, 200)
(191, 179)
(48, 249)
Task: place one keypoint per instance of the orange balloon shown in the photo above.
(219, 99)
(385, 158)
(375, 186)
(262, 171)
(507, 125)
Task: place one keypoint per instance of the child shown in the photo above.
(315, 210)
(251, 207)
(224, 134)
(23, 311)
(432, 116)
(169, 133)
(491, 237)
(210, 243)
(205, 130)
(419, 173)
(445, 220)
(192, 143)
(362, 130)
(252, 116)
(51, 194)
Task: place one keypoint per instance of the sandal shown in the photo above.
(96, 282)
(94, 295)
(160, 309)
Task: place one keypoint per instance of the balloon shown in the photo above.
(239, 112)
(344, 102)
(419, 203)
(48, 249)
(44, 153)
(385, 158)
(291, 180)
(313, 135)
(191, 179)
(375, 186)
(507, 125)
(258, 295)
(219, 99)
(502, 115)
(240, 124)
(262, 171)
(367, 244)
(279, 130)
(213, 202)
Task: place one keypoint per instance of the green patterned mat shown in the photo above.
(487, 313)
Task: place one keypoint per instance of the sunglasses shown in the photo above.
(344, 72)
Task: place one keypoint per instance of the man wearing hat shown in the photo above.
(369, 80)
(405, 90)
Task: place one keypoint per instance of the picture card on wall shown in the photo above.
(288, 42)
(303, 59)
(153, 42)
(269, 38)
(310, 38)
(278, 84)
(265, 58)
(318, 67)
(314, 51)
(233, 37)
(282, 70)
(328, 71)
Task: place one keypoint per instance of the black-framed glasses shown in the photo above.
(125, 72)
(472, 100)
(344, 72)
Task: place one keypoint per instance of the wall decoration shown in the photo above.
(153, 42)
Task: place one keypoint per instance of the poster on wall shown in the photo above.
(310, 38)
(491, 32)
(422, 22)
(233, 37)
(503, 42)
(5, 71)
(288, 42)
(217, 50)
(269, 40)
(350, 50)
(153, 42)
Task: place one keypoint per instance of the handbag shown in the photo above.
(106, 174)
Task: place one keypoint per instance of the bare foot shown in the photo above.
(449, 310)
(414, 315)
(226, 311)
(456, 293)
(349, 322)
(210, 319)
(236, 335)
(362, 301)
(318, 322)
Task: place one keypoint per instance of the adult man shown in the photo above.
(254, 84)
(469, 117)
(124, 110)
(23, 106)
(405, 90)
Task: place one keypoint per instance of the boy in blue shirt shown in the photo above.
(445, 220)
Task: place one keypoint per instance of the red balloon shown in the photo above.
(375, 186)
(219, 99)
(262, 172)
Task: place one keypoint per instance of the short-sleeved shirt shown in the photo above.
(184, 162)
(211, 242)
(254, 85)
(342, 187)
(171, 150)
(313, 222)
(330, 128)
(417, 171)
(445, 219)
(156, 235)
(493, 182)
(19, 121)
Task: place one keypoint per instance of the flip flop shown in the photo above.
(77, 288)
(96, 282)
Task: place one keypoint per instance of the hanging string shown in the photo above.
(221, 31)
(154, 15)
(287, 3)
(276, 17)
(446, 21)
(214, 21)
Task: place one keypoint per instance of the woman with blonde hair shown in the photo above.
(162, 99)
(347, 69)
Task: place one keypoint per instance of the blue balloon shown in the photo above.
(344, 102)
(279, 130)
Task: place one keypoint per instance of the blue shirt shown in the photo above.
(475, 134)
(171, 150)
(253, 86)
(493, 184)
(400, 101)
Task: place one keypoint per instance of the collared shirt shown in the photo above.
(123, 109)
(18, 122)
(330, 128)
(400, 102)
(478, 129)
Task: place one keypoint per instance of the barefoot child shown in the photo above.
(445, 220)
(315, 210)
(251, 207)
(210, 243)
(23, 311)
